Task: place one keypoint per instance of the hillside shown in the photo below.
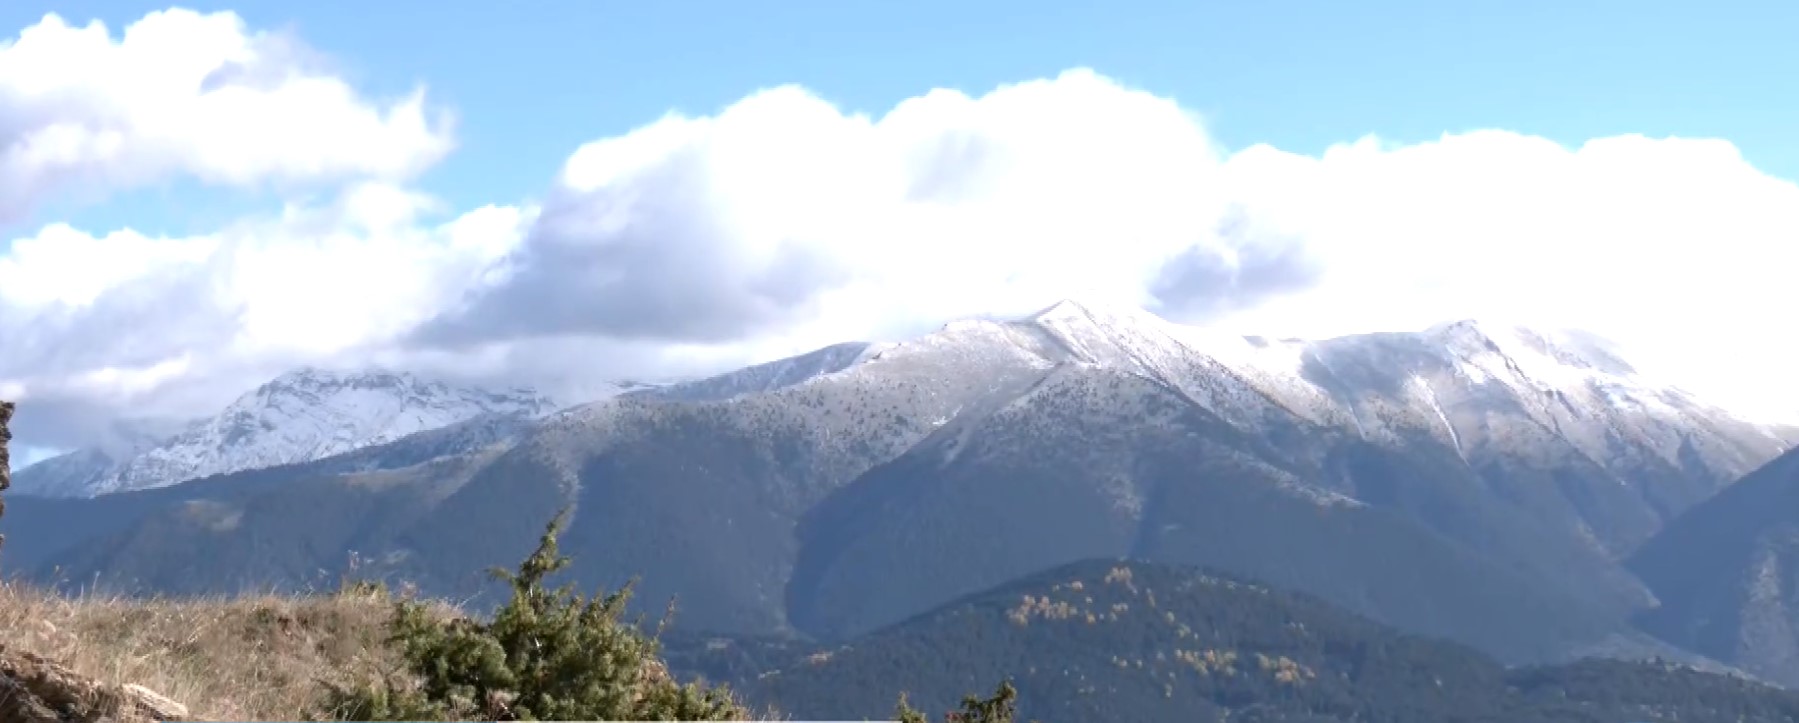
(246, 658)
(1094, 463)
(1116, 640)
(1725, 573)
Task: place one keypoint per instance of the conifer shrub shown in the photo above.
(547, 654)
(1001, 708)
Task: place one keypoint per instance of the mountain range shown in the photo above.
(305, 415)
(1527, 494)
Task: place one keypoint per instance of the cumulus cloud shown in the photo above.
(783, 209)
(198, 95)
(782, 223)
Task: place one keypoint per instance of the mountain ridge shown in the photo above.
(304, 415)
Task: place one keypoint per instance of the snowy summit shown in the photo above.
(302, 416)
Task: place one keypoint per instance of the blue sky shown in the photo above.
(530, 82)
(202, 207)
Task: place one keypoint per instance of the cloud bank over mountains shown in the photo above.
(783, 223)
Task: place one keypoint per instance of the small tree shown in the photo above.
(547, 655)
(1001, 708)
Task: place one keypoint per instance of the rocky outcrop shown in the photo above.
(37, 690)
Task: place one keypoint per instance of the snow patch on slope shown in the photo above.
(1430, 397)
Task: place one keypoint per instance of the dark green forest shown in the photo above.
(1131, 641)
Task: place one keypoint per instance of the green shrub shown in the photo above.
(547, 655)
(1001, 708)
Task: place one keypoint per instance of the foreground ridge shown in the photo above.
(35, 689)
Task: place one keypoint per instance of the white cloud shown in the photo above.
(1676, 248)
(179, 325)
(782, 223)
(181, 93)
(63, 265)
(782, 210)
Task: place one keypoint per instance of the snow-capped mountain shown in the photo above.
(121, 440)
(1477, 388)
(1490, 384)
(65, 474)
(302, 416)
(1511, 403)
(1456, 382)
(1555, 421)
(1544, 452)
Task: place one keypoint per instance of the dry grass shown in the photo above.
(255, 657)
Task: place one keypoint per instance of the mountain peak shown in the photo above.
(311, 413)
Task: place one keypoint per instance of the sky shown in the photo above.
(195, 199)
